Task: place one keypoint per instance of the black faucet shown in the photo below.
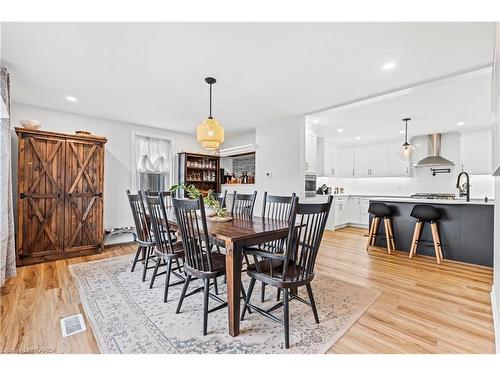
(467, 186)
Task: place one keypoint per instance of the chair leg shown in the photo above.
(183, 293)
(263, 292)
(370, 234)
(155, 271)
(167, 279)
(437, 245)
(387, 234)
(146, 252)
(136, 258)
(286, 318)
(247, 299)
(391, 231)
(375, 231)
(206, 292)
(313, 304)
(216, 287)
(416, 236)
(278, 295)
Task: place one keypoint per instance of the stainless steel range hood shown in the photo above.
(434, 159)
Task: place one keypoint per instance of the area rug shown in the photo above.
(128, 317)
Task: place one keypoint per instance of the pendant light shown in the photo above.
(407, 150)
(210, 133)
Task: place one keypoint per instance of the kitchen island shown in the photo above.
(466, 228)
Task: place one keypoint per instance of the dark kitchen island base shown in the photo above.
(466, 230)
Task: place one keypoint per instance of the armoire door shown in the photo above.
(41, 190)
(84, 201)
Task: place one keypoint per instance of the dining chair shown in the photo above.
(294, 267)
(221, 198)
(142, 236)
(167, 250)
(200, 261)
(275, 207)
(243, 204)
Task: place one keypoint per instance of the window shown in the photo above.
(153, 163)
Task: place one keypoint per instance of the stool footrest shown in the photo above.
(427, 243)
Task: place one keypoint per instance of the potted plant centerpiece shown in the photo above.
(212, 206)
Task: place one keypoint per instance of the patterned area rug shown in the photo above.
(127, 317)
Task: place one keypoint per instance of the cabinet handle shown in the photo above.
(353, 172)
(406, 170)
(333, 171)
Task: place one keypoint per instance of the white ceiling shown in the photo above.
(452, 104)
(152, 73)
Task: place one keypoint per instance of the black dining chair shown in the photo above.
(200, 261)
(275, 207)
(294, 267)
(243, 204)
(167, 249)
(143, 237)
(221, 198)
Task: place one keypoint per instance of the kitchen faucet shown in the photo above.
(467, 186)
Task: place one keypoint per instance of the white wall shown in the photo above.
(280, 152)
(118, 158)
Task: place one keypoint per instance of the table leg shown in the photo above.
(233, 274)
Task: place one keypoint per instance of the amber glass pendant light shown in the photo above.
(210, 133)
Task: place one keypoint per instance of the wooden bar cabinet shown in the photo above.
(60, 195)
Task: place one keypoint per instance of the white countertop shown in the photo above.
(393, 198)
(433, 201)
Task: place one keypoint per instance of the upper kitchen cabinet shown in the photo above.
(379, 165)
(475, 151)
(343, 161)
(311, 151)
(396, 166)
(362, 162)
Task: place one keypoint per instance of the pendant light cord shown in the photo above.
(406, 131)
(210, 102)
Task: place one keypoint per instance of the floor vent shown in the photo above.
(72, 324)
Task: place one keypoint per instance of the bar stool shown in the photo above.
(381, 211)
(425, 213)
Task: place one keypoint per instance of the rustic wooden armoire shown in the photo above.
(60, 195)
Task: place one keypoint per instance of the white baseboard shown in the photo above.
(496, 318)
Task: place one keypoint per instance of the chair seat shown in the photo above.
(425, 212)
(178, 249)
(380, 210)
(277, 267)
(218, 267)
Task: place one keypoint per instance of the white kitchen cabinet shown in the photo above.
(363, 214)
(353, 208)
(330, 155)
(340, 214)
(475, 151)
(311, 151)
(362, 156)
(344, 161)
(378, 160)
(396, 166)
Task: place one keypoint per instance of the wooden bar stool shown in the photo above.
(425, 213)
(381, 211)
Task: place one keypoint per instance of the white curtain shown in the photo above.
(7, 247)
(153, 155)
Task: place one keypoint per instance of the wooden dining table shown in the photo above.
(235, 235)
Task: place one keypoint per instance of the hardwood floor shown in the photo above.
(424, 307)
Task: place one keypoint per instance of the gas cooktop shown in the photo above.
(449, 196)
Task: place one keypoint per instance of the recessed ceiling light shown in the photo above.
(358, 138)
(460, 123)
(71, 99)
(314, 120)
(401, 132)
(389, 65)
(340, 130)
